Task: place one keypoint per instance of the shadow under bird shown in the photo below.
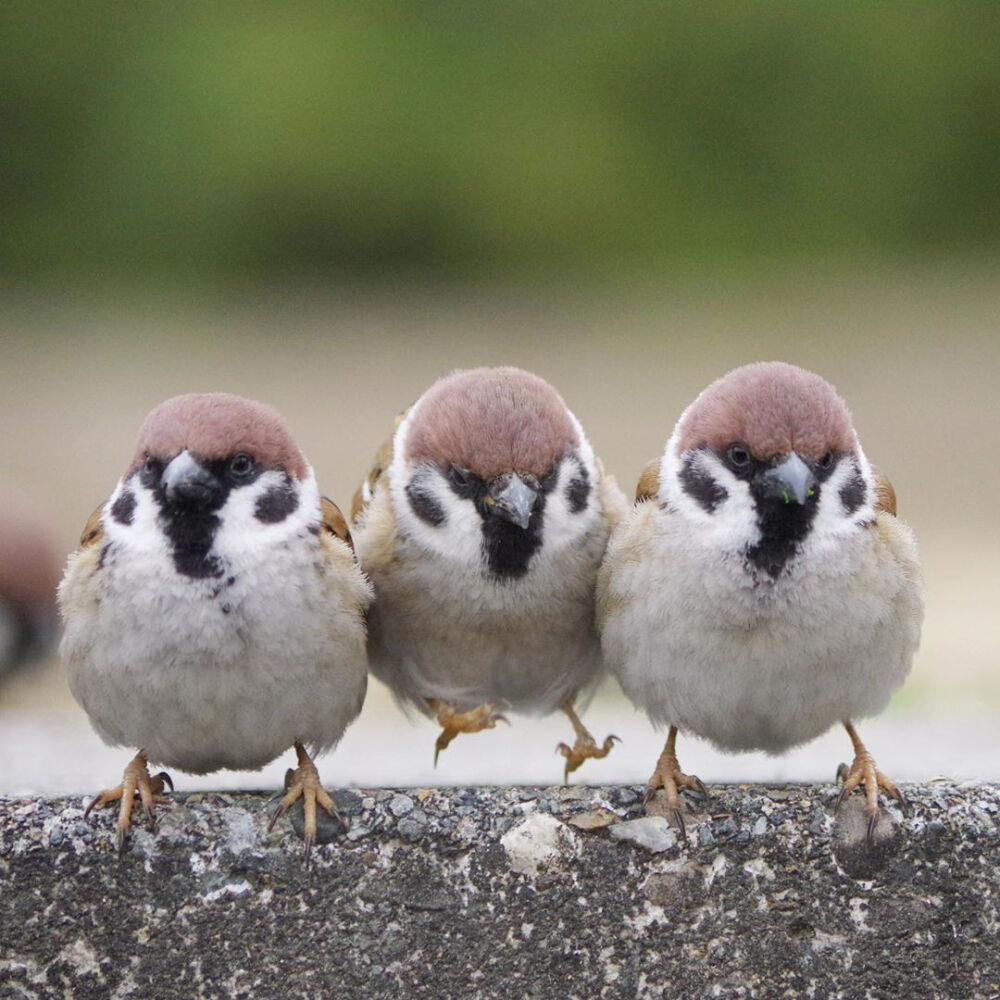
(482, 526)
(762, 588)
(214, 614)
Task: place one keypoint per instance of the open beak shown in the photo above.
(513, 498)
(188, 483)
(791, 480)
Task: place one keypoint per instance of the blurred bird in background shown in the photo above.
(29, 574)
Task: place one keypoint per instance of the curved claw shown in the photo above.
(699, 791)
(678, 818)
(97, 798)
(842, 771)
(276, 815)
(307, 851)
(870, 831)
(166, 779)
(121, 839)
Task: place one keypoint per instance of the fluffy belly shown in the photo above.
(202, 716)
(527, 668)
(766, 694)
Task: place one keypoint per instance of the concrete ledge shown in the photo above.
(508, 892)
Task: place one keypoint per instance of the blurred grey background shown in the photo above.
(327, 206)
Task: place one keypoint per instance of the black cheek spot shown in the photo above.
(578, 491)
(853, 493)
(425, 506)
(700, 486)
(123, 509)
(276, 504)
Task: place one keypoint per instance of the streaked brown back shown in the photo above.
(380, 464)
(333, 522)
(649, 482)
(93, 532)
(885, 495)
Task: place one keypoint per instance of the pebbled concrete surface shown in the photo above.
(509, 892)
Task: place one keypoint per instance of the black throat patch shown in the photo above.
(783, 526)
(509, 548)
(190, 528)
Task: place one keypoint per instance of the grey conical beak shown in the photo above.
(790, 480)
(187, 482)
(513, 498)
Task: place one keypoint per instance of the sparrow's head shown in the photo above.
(209, 470)
(490, 468)
(765, 458)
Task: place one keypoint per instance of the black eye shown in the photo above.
(241, 465)
(737, 456)
(459, 476)
(151, 469)
(826, 461)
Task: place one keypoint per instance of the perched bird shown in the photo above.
(762, 589)
(29, 573)
(482, 526)
(214, 615)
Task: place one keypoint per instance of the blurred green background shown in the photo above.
(326, 206)
(240, 143)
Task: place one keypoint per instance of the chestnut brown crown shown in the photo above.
(772, 408)
(214, 425)
(491, 421)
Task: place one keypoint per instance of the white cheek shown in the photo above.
(459, 537)
(733, 522)
(563, 526)
(142, 534)
(241, 534)
(832, 522)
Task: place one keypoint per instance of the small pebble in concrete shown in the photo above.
(400, 805)
(652, 832)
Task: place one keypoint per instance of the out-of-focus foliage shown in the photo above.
(243, 141)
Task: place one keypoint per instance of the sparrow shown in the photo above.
(29, 574)
(214, 613)
(762, 589)
(482, 526)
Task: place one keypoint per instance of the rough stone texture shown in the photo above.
(441, 893)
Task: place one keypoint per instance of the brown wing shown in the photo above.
(885, 495)
(383, 459)
(93, 533)
(649, 482)
(332, 521)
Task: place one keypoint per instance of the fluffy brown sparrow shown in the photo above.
(214, 615)
(482, 526)
(762, 589)
(29, 573)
